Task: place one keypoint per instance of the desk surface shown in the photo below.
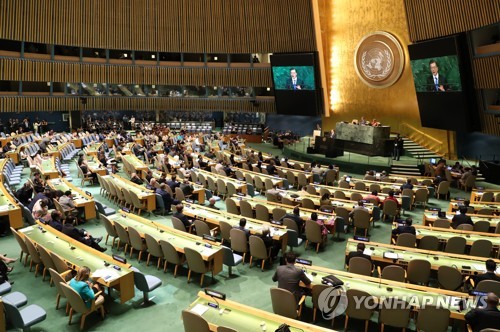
(379, 288)
(436, 258)
(430, 217)
(245, 318)
(82, 255)
(80, 198)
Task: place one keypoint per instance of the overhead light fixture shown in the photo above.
(125, 55)
(153, 86)
(153, 56)
(48, 83)
(215, 58)
(268, 89)
(215, 88)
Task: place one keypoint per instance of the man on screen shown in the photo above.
(294, 83)
(437, 82)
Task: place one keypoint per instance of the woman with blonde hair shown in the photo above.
(82, 284)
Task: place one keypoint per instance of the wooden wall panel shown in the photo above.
(194, 26)
(487, 72)
(435, 18)
(31, 104)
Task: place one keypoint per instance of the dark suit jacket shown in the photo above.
(137, 180)
(486, 276)
(271, 169)
(289, 85)
(288, 277)
(480, 319)
(460, 219)
(356, 254)
(404, 229)
(182, 218)
(297, 219)
(172, 184)
(431, 86)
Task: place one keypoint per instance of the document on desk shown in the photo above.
(368, 252)
(310, 277)
(106, 274)
(199, 309)
(391, 255)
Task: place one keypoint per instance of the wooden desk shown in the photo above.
(396, 187)
(80, 198)
(77, 142)
(379, 288)
(431, 216)
(494, 206)
(138, 165)
(178, 239)
(240, 186)
(144, 194)
(241, 317)
(477, 194)
(468, 265)
(48, 168)
(92, 149)
(82, 255)
(336, 202)
(212, 216)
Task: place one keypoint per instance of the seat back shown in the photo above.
(284, 302)
(406, 240)
(246, 209)
(481, 248)
(140, 281)
(307, 203)
(429, 242)
(360, 265)
(225, 230)
(13, 315)
(231, 206)
(432, 318)
(441, 223)
(170, 253)
(419, 271)
(339, 194)
(278, 213)
(290, 224)
(355, 311)
(108, 225)
(45, 257)
(195, 261)
(395, 313)
(57, 279)
(481, 226)
(455, 245)
(466, 227)
(194, 322)
(59, 263)
(449, 278)
(261, 212)
(178, 225)
(272, 197)
(360, 185)
(342, 212)
(35, 255)
(394, 272)
(313, 232)
(238, 240)
(488, 197)
(201, 228)
(153, 246)
(344, 184)
(489, 286)
(122, 233)
(75, 300)
(390, 208)
(21, 242)
(135, 239)
(361, 219)
(258, 248)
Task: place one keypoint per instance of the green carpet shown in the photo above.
(249, 285)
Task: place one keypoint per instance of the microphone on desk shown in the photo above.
(69, 244)
(157, 228)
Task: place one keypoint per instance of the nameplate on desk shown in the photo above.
(88, 193)
(435, 209)
(459, 199)
(189, 201)
(276, 222)
(477, 293)
(304, 261)
(119, 259)
(361, 238)
(213, 293)
(241, 194)
(125, 209)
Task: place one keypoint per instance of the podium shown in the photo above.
(330, 147)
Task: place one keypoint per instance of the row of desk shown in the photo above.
(8, 205)
(431, 216)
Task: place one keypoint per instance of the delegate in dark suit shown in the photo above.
(460, 219)
(485, 318)
(289, 277)
(431, 84)
(298, 86)
(298, 220)
(183, 218)
(404, 229)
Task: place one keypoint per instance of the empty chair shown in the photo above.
(34, 254)
(136, 242)
(307, 203)
(443, 189)
(202, 228)
(231, 206)
(353, 310)
(285, 304)
(171, 255)
(390, 208)
(123, 237)
(441, 223)
(361, 220)
(24, 318)
(481, 226)
(432, 318)
(419, 271)
(339, 194)
(272, 197)
(178, 225)
(311, 189)
(246, 209)
(146, 283)
(302, 180)
(344, 184)
(78, 305)
(360, 186)
(239, 242)
(395, 314)
(455, 245)
(225, 231)
(278, 213)
(393, 272)
(154, 249)
(24, 248)
(47, 262)
(421, 196)
(58, 279)
(485, 212)
(429, 242)
(406, 240)
(197, 264)
(61, 266)
(360, 265)
(481, 248)
(258, 250)
(194, 322)
(355, 197)
(294, 240)
(488, 197)
(230, 259)
(450, 278)
(261, 212)
(330, 177)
